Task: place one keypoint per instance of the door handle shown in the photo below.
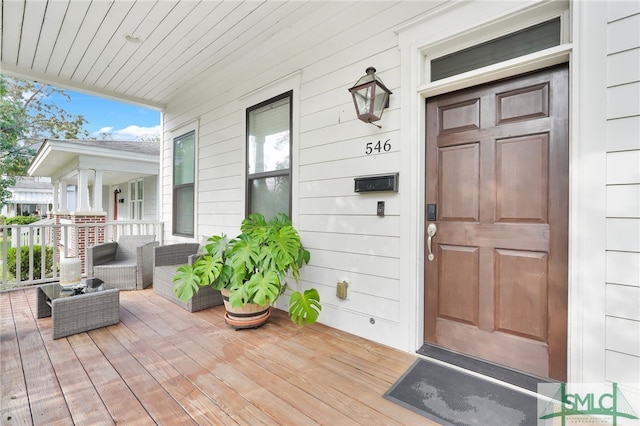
(431, 231)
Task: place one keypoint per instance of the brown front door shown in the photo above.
(497, 172)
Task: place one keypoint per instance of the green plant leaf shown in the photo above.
(226, 274)
(186, 282)
(304, 255)
(217, 245)
(303, 258)
(264, 289)
(285, 247)
(305, 308)
(208, 268)
(238, 295)
(280, 220)
(255, 225)
(245, 254)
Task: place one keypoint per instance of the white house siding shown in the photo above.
(346, 239)
(381, 258)
(622, 355)
(150, 198)
(123, 208)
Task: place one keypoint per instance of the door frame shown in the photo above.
(583, 50)
(413, 129)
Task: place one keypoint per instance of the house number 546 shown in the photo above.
(378, 147)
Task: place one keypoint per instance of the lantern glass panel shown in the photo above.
(362, 99)
(379, 103)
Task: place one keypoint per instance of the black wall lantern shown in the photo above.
(370, 97)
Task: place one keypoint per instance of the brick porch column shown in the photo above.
(82, 237)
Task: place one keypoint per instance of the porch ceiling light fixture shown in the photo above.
(132, 39)
(370, 96)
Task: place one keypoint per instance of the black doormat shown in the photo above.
(453, 397)
(517, 378)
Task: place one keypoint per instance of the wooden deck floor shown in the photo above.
(163, 365)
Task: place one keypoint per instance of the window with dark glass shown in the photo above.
(183, 184)
(269, 157)
(529, 40)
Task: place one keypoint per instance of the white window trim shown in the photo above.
(490, 31)
(288, 83)
(135, 200)
(175, 132)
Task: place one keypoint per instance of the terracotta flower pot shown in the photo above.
(250, 315)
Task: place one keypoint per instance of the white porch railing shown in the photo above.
(44, 242)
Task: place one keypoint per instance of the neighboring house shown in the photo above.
(29, 196)
(514, 127)
(113, 180)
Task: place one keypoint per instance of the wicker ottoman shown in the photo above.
(78, 313)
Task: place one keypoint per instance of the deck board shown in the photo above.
(46, 400)
(119, 399)
(164, 365)
(14, 399)
(76, 386)
(79, 392)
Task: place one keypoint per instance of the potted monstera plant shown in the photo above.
(251, 271)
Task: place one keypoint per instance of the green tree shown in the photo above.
(29, 113)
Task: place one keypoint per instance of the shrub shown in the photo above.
(21, 220)
(24, 262)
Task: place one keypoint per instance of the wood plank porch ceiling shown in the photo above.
(163, 365)
(83, 45)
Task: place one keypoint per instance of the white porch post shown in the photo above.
(83, 191)
(56, 196)
(64, 204)
(97, 191)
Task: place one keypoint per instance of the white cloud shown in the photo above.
(130, 133)
(104, 130)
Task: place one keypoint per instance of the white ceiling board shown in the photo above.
(236, 45)
(147, 23)
(128, 25)
(12, 15)
(66, 37)
(48, 35)
(143, 62)
(29, 39)
(87, 33)
(93, 56)
(179, 40)
(80, 44)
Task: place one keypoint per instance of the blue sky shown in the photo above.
(124, 121)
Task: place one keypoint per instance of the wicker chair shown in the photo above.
(126, 264)
(166, 261)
